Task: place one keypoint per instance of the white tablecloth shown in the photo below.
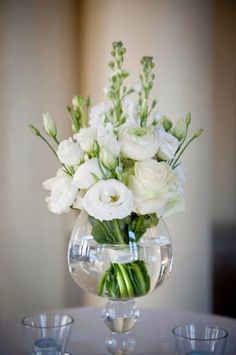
(88, 336)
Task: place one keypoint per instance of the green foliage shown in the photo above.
(139, 225)
(122, 231)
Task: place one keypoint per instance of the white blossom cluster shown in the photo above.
(123, 157)
(102, 183)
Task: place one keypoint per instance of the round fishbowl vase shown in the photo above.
(120, 272)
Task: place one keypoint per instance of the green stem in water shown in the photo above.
(102, 283)
(127, 280)
(121, 282)
(140, 280)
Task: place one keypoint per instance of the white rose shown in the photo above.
(69, 152)
(168, 144)
(63, 193)
(86, 138)
(85, 175)
(174, 205)
(108, 199)
(98, 114)
(154, 185)
(139, 143)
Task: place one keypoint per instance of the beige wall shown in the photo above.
(38, 73)
(51, 50)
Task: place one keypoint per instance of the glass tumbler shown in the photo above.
(46, 334)
(197, 339)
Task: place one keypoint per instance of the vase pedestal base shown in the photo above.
(120, 316)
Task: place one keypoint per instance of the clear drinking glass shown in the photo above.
(197, 339)
(46, 334)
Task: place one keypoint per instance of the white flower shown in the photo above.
(63, 193)
(86, 138)
(137, 87)
(158, 115)
(106, 90)
(107, 157)
(108, 199)
(86, 174)
(168, 144)
(98, 114)
(107, 138)
(154, 186)
(69, 152)
(130, 109)
(139, 143)
(180, 172)
(78, 203)
(174, 205)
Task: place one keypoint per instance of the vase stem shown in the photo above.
(120, 316)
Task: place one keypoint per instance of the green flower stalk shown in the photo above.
(147, 79)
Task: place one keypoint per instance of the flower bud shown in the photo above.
(49, 126)
(77, 102)
(166, 123)
(107, 158)
(179, 129)
(197, 133)
(188, 119)
(34, 130)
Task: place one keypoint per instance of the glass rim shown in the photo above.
(69, 322)
(224, 336)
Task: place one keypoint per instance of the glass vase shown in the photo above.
(119, 272)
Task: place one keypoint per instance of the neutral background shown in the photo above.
(51, 50)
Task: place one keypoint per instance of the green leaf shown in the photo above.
(102, 231)
(140, 224)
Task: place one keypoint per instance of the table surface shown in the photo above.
(88, 335)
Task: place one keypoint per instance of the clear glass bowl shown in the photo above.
(88, 261)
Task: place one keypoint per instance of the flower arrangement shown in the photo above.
(122, 166)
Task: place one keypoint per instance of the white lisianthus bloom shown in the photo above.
(108, 199)
(139, 143)
(69, 152)
(154, 185)
(86, 138)
(78, 203)
(168, 144)
(180, 172)
(98, 114)
(63, 193)
(107, 158)
(86, 174)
